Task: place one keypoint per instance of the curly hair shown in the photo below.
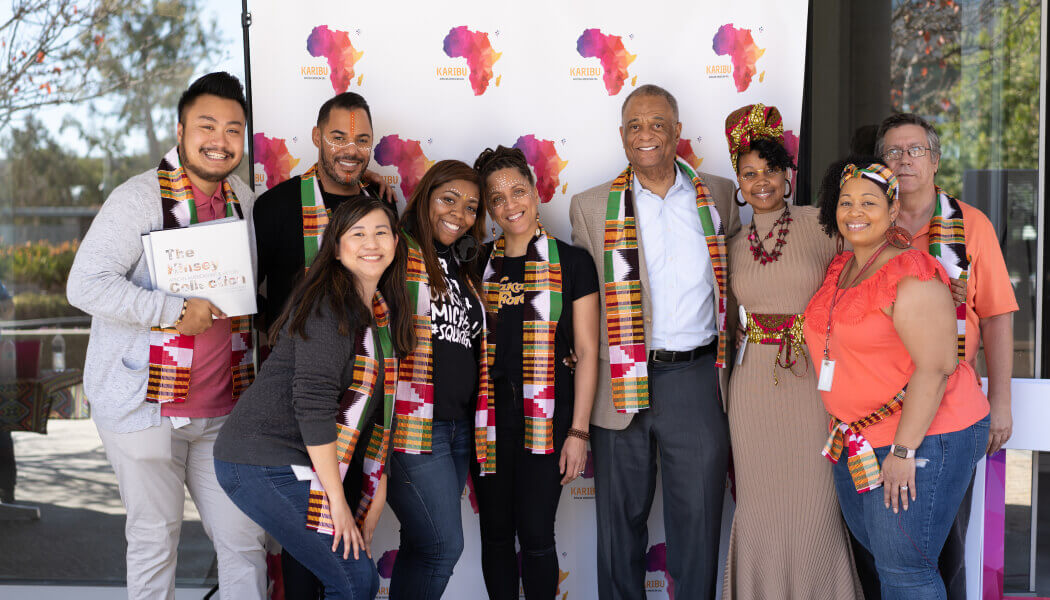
(490, 161)
(771, 151)
(828, 195)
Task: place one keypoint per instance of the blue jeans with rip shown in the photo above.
(906, 545)
(424, 491)
(275, 499)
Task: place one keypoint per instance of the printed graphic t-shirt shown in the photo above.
(456, 333)
(579, 279)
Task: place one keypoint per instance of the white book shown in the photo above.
(210, 260)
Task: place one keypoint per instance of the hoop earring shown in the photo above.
(898, 237)
(839, 243)
(790, 190)
(736, 199)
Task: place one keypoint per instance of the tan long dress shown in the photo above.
(788, 540)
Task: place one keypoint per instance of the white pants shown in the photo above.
(152, 467)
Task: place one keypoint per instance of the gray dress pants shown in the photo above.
(686, 428)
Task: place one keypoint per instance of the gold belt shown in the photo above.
(785, 332)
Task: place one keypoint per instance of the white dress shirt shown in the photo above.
(681, 281)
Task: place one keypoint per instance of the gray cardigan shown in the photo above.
(110, 281)
(294, 402)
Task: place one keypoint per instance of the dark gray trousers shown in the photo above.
(686, 428)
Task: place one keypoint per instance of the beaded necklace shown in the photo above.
(758, 250)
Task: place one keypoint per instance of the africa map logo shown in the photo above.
(743, 52)
(612, 54)
(656, 562)
(685, 152)
(336, 47)
(407, 157)
(545, 162)
(273, 155)
(474, 46)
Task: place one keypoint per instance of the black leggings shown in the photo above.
(520, 500)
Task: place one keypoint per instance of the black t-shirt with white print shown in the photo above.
(456, 334)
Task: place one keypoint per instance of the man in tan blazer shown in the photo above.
(685, 423)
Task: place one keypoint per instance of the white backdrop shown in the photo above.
(446, 81)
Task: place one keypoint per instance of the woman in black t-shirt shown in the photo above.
(541, 298)
(442, 387)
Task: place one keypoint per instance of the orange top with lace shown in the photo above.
(871, 362)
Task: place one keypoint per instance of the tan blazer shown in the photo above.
(587, 215)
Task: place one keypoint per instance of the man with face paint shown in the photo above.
(162, 372)
(291, 217)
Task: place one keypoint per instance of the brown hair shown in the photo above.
(328, 280)
(416, 220)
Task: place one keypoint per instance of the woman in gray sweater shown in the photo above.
(321, 408)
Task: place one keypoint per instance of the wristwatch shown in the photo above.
(902, 451)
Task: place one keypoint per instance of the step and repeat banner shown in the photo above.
(446, 80)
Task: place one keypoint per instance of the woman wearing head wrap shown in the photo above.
(907, 416)
(788, 539)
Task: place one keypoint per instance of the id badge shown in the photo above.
(827, 374)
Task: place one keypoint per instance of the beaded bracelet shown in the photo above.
(181, 315)
(579, 433)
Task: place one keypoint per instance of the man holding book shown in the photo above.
(163, 371)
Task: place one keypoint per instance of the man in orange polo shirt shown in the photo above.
(963, 239)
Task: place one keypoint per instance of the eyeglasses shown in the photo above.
(897, 153)
(342, 141)
(752, 174)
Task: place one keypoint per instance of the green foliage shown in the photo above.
(972, 68)
(152, 50)
(43, 306)
(40, 265)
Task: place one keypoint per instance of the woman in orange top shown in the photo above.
(882, 334)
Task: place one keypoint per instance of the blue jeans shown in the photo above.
(424, 491)
(277, 501)
(906, 545)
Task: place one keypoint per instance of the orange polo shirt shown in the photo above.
(988, 290)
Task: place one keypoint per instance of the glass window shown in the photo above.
(90, 101)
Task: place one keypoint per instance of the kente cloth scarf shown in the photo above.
(415, 383)
(170, 352)
(354, 412)
(623, 288)
(863, 464)
(948, 246)
(542, 310)
(785, 332)
(315, 214)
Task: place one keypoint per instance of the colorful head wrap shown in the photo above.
(878, 174)
(749, 123)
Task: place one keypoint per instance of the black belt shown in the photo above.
(674, 356)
